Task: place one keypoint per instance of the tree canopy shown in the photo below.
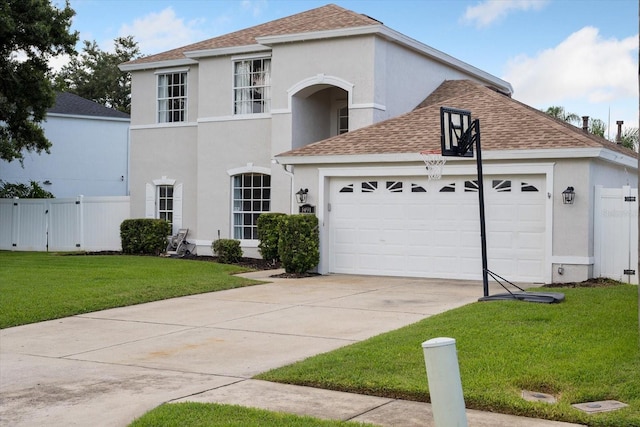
(94, 74)
(31, 33)
(629, 137)
(31, 191)
(559, 113)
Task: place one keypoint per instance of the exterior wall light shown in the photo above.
(301, 196)
(568, 195)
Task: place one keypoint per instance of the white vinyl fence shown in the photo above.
(75, 224)
(615, 242)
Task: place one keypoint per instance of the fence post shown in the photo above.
(445, 387)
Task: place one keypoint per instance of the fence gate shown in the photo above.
(616, 234)
(83, 223)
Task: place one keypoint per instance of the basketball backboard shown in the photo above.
(453, 125)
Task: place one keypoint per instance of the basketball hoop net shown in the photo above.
(434, 161)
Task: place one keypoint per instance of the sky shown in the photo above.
(578, 54)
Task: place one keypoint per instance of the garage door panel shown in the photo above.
(434, 234)
(531, 241)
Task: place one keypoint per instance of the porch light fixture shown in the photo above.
(301, 196)
(568, 195)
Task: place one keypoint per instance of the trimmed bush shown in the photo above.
(144, 236)
(269, 233)
(299, 243)
(227, 250)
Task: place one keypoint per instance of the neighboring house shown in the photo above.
(325, 100)
(381, 215)
(208, 118)
(89, 153)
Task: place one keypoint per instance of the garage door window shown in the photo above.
(449, 188)
(528, 188)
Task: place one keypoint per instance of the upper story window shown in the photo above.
(172, 97)
(343, 120)
(252, 86)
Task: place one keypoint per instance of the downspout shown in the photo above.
(290, 175)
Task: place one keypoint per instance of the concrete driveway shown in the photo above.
(109, 367)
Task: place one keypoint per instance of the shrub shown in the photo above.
(299, 243)
(227, 250)
(144, 236)
(269, 233)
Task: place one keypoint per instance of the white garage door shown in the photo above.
(419, 228)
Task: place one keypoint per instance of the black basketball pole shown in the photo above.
(475, 138)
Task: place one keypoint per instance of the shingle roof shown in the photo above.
(505, 123)
(69, 103)
(329, 17)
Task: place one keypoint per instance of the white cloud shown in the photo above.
(584, 67)
(158, 32)
(256, 7)
(490, 11)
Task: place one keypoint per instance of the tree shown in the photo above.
(559, 113)
(94, 74)
(629, 138)
(31, 33)
(23, 191)
(597, 127)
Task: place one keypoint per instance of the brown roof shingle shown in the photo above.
(506, 124)
(329, 17)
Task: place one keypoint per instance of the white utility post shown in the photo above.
(445, 387)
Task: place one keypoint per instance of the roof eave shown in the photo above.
(126, 67)
(319, 35)
(226, 51)
(538, 154)
(90, 117)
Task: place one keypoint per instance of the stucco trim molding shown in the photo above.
(321, 79)
(249, 168)
(164, 181)
(573, 260)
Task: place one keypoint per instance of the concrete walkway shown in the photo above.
(110, 367)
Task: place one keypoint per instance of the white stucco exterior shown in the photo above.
(376, 73)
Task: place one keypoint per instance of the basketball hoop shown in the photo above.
(434, 161)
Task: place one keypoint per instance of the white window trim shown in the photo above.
(249, 168)
(151, 200)
(246, 57)
(187, 96)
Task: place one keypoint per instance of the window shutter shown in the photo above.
(177, 206)
(150, 201)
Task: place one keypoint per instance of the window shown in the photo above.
(369, 186)
(172, 97)
(343, 120)
(394, 186)
(165, 203)
(252, 86)
(251, 197)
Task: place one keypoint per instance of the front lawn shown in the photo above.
(584, 349)
(37, 286)
(214, 415)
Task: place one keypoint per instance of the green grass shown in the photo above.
(583, 349)
(37, 286)
(213, 415)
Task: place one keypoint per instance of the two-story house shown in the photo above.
(208, 119)
(336, 104)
